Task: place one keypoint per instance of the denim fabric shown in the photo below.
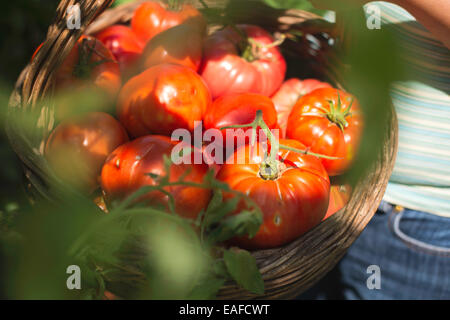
(412, 250)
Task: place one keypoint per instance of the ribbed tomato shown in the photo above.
(127, 169)
(151, 18)
(78, 147)
(123, 44)
(239, 109)
(244, 61)
(161, 99)
(289, 93)
(329, 122)
(293, 200)
(181, 45)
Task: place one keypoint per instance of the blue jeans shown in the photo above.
(411, 251)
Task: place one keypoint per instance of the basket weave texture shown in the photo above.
(287, 271)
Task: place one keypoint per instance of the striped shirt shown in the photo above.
(421, 177)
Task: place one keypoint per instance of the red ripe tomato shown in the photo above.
(161, 99)
(127, 168)
(339, 197)
(231, 64)
(152, 18)
(123, 44)
(289, 93)
(328, 121)
(239, 109)
(77, 148)
(89, 63)
(292, 201)
(181, 45)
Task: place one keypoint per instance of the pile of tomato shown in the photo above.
(166, 72)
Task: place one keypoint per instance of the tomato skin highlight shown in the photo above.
(127, 168)
(239, 109)
(291, 204)
(123, 44)
(226, 72)
(339, 197)
(182, 45)
(162, 99)
(151, 18)
(77, 148)
(287, 96)
(308, 124)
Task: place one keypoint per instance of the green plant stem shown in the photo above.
(336, 114)
(203, 3)
(250, 48)
(259, 122)
(84, 66)
(269, 167)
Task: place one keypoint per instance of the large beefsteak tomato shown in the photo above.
(240, 60)
(161, 99)
(131, 165)
(293, 200)
(329, 122)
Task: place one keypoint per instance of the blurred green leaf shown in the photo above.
(290, 4)
(375, 62)
(243, 269)
(207, 289)
(246, 222)
(119, 2)
(218, 210)
(294, 4)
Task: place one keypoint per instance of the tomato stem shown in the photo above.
(253, 49)
(247, 53)
(336, 114)
(203, 3)
(244, 46)
(84, 66)
(250, 49)
(277, 42)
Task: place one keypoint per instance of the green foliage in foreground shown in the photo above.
(134, 251)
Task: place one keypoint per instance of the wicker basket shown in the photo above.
(287, 271)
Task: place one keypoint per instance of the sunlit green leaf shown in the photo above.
(243, 269)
